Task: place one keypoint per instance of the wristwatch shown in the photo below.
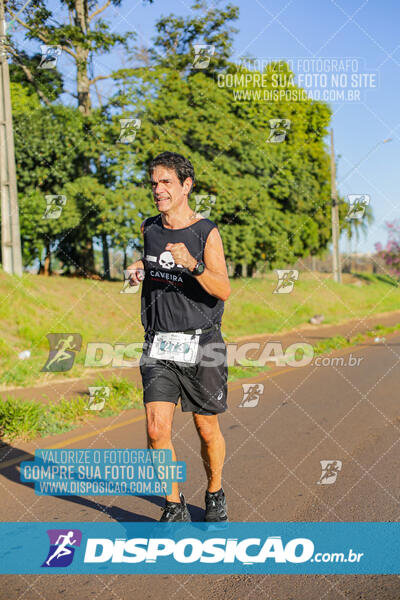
(199, 268)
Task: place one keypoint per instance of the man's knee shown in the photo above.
(208, 435)
(209, 432)
(158, 430)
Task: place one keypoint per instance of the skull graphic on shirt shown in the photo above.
(166, 260)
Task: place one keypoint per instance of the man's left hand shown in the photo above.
(181, 255)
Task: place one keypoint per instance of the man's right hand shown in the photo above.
(136, 274)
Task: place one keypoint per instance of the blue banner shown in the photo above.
(204, 548)
(103, 472)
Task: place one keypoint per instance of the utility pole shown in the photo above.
(337, 271)
(10, 233)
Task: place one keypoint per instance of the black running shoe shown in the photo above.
(216, 508)
(176, 511)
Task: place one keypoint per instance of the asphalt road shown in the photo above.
(345, 413)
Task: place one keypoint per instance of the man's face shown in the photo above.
(167, 190)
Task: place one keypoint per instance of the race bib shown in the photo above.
(179, 347)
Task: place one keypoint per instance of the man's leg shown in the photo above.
(159, 417)
(212, 448)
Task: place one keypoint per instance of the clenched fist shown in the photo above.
(181, 255)
(136, 273)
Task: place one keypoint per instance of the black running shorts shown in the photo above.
(202, 386)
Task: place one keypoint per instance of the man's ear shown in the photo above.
(187, 185)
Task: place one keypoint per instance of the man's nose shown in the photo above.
(159, 189)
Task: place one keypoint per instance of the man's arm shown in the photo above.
(138, 264)
(214, 278)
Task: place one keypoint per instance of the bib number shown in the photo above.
(179, 347)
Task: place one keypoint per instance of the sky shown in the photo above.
(363, 35)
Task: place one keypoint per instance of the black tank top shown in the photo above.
(172, 298)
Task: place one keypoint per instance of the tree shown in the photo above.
(83, 35)
(391, 252)
(49, 149)
(273, 200)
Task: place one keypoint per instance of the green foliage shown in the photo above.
(273, 200)
(28, 419)
(330, 344)
(173, 46)
(23, 102)
(20, 419)
(50, 148)
(47, 81)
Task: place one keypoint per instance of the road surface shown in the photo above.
(345, 413)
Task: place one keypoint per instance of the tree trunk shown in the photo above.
(47, 261)
(313, 263)
(106, 257)
(86, 261)
(251, 269)
(82, 55)
(84, 101)
(238, 270)
(125, 260)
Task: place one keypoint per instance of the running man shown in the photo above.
(62, 549)
(62, 350)
(184, 289)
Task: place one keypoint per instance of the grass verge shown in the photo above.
(34, 306)
(28, 419)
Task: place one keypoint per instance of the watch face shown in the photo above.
(199, 268)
